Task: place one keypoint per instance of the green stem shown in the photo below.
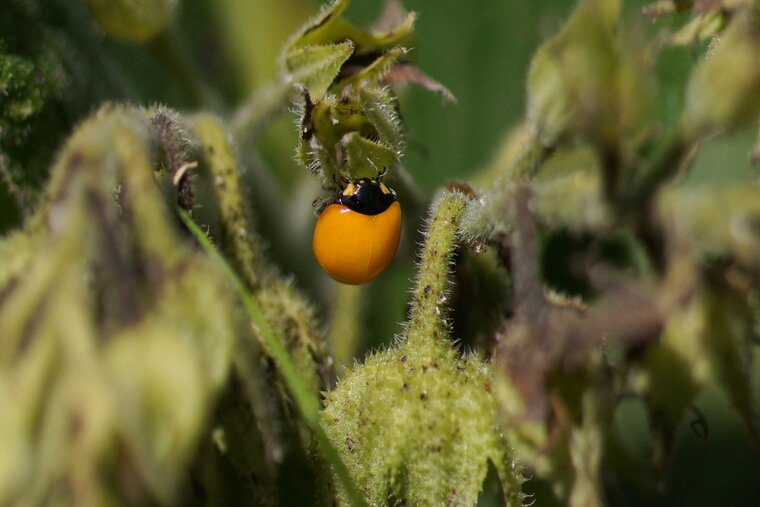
(239, 240)
(489, 216)
(528, 161)
(666, 167)
(307, 404)
(428, 313)
(345, 325)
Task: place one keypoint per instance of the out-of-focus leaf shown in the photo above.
(722, 91)
(666, 7)
(718, 221)
(702, 27)
(21, 97)
(588, 81)
(728, 341)
(15, 462)
(130, 20)
(132, 331)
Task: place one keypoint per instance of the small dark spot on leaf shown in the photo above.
(405, 387)
(426, 290)
(699, 425)
(425, 368)
(350, 444)
(403, 359)
(488, 387)
(423, 396)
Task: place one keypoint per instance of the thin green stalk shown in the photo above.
(307, 404)
(429, 297)
(665, 168)
(528, 161)
(345, 325)
(489, 216)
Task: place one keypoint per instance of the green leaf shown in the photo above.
(380, 106)
(329, 27)
(366, 159)
(130, 20)
(722, 90)
(373, 73)
(703, 26)
(315, 67)
(718, 221)
(728, 340)
(580, 59)
(128, 320)
(590, 82)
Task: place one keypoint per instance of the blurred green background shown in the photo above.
(480, 50)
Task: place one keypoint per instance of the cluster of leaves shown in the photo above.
(669, 271)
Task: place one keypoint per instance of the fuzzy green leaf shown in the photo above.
(366, 159)
(128, 321)
(315, 67)
(329, 27)
(381, 109)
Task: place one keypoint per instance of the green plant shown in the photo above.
(584, 290)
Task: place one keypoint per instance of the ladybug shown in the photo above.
(356, 236)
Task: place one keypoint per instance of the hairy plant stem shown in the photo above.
(236, 230)
(484, 219)
(306, 402)
(427, 317)
(528, 161)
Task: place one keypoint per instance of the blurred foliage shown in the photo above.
(582, 327)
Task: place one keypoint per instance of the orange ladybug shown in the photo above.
(357, 236)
